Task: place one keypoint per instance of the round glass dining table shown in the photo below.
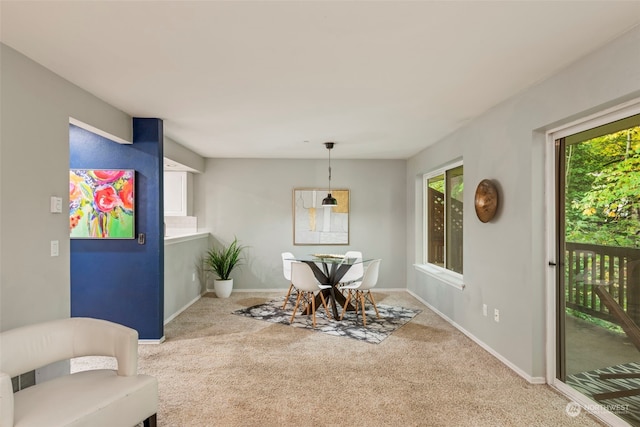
(328, 270)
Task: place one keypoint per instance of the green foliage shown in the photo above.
(457, 190)
(222, 261)
(455, 176)
(596, 321)
(437, 183)
(602, 197)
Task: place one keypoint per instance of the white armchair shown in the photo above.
(97, 398)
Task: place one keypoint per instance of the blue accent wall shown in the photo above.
(122, 280)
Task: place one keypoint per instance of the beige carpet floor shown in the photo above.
(220, 369)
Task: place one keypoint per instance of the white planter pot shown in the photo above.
(223, 288)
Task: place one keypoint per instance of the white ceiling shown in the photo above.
(267, 79)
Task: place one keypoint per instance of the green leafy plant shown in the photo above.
(594, 320)
(602, 201)
(222, 261)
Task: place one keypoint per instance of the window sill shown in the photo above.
(447, 277)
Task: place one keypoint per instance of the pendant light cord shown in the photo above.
(329, 170)
(329, 200)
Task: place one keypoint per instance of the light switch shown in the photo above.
(56, 204)
(54, 248)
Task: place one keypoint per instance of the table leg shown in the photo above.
(334, 299)
(332, 290)
(330, 277)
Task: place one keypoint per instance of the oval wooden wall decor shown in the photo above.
(486, 200)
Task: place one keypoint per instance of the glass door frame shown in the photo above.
(556, 261)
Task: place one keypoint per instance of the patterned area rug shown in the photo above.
(391, 318)
(589, 383)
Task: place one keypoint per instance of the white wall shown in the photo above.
(252, 199)
(505, 261)
(184, 280)
(35, 106)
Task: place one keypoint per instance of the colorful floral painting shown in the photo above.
(101, 203)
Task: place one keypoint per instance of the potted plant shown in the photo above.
(222, 262)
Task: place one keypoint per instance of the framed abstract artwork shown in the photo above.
(314, 224)
(102, 203)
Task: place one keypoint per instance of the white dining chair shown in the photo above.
(356, 271)
(305, 282)
(287, 259)
(361, 290)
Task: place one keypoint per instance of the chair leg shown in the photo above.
(295, 309)
(287, 297)
(344, 309)
(374, 303)
(313, 308)
(356, 297)
(324, 303)
(152, 421)
(364, 315)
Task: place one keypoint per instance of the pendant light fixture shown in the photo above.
(329, 200)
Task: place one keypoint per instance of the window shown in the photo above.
(443, 195)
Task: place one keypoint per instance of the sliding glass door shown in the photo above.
(598, 268)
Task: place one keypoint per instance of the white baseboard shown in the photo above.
(508, 363)
(145, 341)
(189, 304)
(169, 319)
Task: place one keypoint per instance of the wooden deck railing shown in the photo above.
(618, 269)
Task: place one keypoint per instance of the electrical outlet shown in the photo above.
(484, 310)
(56, 204)
(496, 315)
(193, 276)
(55, 248)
